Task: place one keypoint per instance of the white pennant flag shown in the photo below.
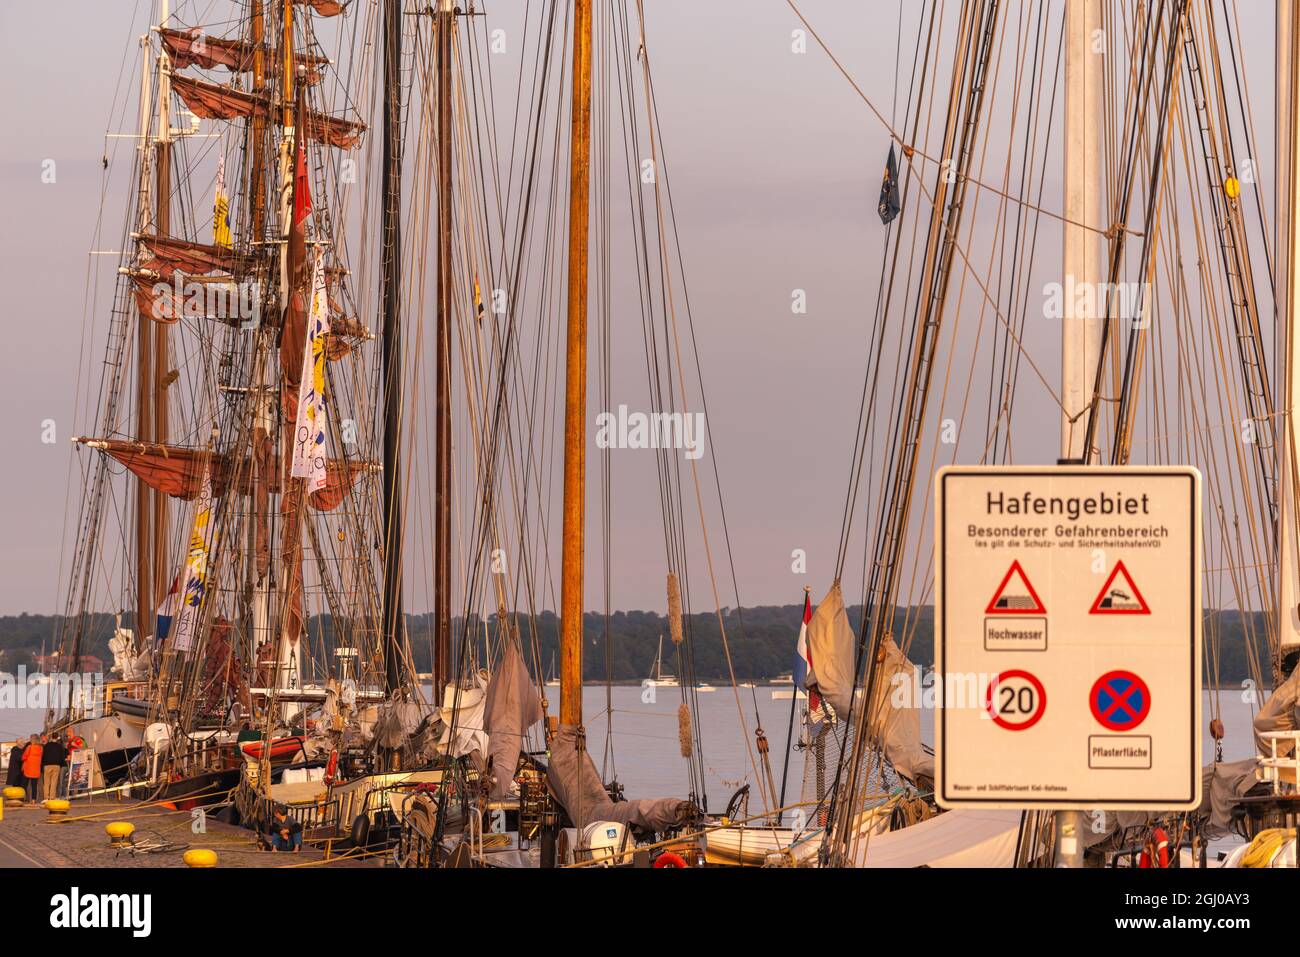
(309, 431)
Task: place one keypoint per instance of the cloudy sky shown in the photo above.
(776, 167)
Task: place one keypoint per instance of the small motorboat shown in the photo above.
(280, 748)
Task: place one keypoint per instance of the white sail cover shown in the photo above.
(464, 712)
(830, 646)
(131, 667)
(894, 727)
(959, 838)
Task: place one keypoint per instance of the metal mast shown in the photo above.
(1084, 263)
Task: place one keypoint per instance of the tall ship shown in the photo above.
(363, 356)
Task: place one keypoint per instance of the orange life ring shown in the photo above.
(1156, 852)
(669, 859)
(332, 766)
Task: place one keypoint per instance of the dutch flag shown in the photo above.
(167, 610)
(804, 676)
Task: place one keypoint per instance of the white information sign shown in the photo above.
(1068, 637)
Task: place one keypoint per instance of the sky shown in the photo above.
(776, 165)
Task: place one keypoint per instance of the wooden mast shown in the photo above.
(151, 362)
(391, 357)
(160, 362)
(257, 35)
(442, 486)
(575, 386)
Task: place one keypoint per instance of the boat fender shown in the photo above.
(361, 831)
(332, 766)
(669, 859)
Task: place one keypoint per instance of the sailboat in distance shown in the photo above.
(657, 677)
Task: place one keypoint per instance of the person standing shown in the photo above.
(32, 768)
(15, 773)
(53, 757)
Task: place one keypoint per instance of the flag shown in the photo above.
(167, 610)
(890, 204)
(478, 301)
(301, 189)
(309, 431)
(804, 676)
(196, 567)
(221, 208)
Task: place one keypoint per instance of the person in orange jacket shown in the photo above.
(32, 768)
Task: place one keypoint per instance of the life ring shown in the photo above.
(1156, 851)
(332, 766)
(669, 859)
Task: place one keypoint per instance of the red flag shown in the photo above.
(301, 189)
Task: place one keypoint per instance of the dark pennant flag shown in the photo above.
(890, 205)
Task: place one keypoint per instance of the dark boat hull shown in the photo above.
(191, 792)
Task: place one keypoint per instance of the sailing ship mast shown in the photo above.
(575, 375)
(445, 24)
(1084, 258)
(1288, 166)
(391, 355)
(151, 365)
(1084, 263)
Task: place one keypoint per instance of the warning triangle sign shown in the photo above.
(1120, 595)
(1015, 596)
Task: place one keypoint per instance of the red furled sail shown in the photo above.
(177, 471)
(212, 101)
(326, 8)
(194, 48)
(168, 255)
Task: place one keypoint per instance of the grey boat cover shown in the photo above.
(511, 708)
(1279, 714)
(395, 722)
(1221, 785)
(577, 786)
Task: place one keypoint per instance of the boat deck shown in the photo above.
(28, 838)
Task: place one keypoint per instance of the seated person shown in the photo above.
(286, 833)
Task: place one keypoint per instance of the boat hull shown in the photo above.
(115, 740)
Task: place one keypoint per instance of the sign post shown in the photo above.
(1068, 637)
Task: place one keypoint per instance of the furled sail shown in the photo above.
(168, 256)
(213, 101)
(830, 646)
(178, 471)
(326, 8)
(896, 729)
(512, 708)
(577, 787)
(194, 48)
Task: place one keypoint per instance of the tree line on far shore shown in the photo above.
(761, 641)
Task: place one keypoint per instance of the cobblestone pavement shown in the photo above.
(29, 839)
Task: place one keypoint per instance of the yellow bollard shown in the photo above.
(200, 857)
(14, 796)
(57, 807)
(119, 833)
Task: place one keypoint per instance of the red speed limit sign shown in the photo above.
(1015, 700)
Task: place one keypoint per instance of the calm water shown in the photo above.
(647, 759)
(649, 763)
